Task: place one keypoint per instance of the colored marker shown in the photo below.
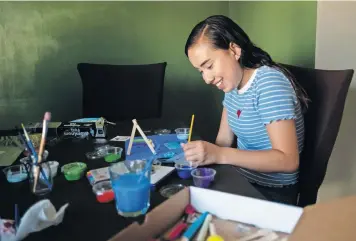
(189, 234)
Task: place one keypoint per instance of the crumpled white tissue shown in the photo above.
(39, 216)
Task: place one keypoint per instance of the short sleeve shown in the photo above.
(276, 98)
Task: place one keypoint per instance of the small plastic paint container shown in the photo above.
(109, 153)
(182, 133)
(15, 173)
(54, 167)
(170, 190)
(74, 171)
(103, 191)
(184, 171)
(162, 131)
(203, 177)
(94, 155)
(113, 154)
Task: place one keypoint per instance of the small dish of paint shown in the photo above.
(182, 133)
(74, 171)
(184, 171)
(103, 191)
(109, 153)
(113, 154)
(203, 177)
(15, 173)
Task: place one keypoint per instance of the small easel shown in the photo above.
(136, 126)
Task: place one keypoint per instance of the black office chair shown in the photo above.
(122, 92)
(327, 90)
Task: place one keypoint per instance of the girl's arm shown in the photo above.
(225, 136)
(283, 157)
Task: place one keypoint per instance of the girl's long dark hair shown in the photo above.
(222, 31)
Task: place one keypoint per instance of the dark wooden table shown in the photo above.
(85, 218)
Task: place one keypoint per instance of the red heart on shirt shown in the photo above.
(238, 113)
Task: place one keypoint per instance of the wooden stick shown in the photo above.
(144, 137)
(131, 138)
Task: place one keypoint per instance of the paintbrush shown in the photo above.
(46, 119)
(33, 156)
(17, 219)
(29, 144)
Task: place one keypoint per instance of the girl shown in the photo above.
(262, 106)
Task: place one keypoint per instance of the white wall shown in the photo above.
(336, 49)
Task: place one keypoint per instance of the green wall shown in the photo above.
(42, 42)
(286, 30)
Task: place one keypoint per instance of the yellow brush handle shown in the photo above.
(191, 128)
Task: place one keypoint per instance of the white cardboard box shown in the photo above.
(325, 221)
(261, 213)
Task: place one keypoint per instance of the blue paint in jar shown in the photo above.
(184, 171)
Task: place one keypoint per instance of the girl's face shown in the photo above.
(218, 67)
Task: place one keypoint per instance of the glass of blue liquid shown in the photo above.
(131, 183)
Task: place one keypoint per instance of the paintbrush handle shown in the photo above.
(191, 128)
(16, 216)
(43, 140)
(32, 149)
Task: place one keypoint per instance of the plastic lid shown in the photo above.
(170, 190)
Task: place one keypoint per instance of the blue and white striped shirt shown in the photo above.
(268, 96)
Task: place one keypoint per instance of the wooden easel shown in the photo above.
(136, 126)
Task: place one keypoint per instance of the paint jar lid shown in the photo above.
(170, 190)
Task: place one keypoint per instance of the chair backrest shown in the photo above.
(327, 90)
(122, 92)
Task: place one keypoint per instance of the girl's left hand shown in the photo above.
(200, 152)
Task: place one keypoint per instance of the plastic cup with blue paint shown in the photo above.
(16, 173)
(184, 171)
(203, 177)
(130, 182)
